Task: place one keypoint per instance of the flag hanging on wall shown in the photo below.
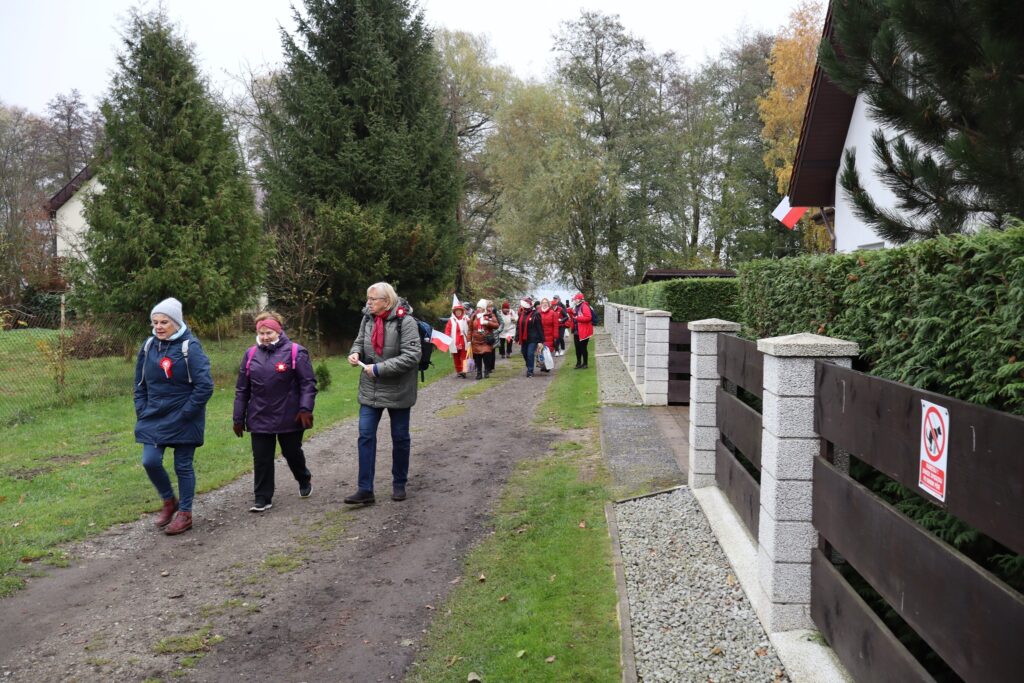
(788, 215)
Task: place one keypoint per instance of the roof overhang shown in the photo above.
(822, 137)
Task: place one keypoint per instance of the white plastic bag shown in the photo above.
(470, 364)
(549, 361)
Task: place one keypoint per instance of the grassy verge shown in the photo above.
(537, 602)
(571, 400)
(73, 471)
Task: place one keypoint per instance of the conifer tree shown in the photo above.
(176, 216)
(358, 143)
(945, 76)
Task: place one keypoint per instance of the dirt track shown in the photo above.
(309, 591)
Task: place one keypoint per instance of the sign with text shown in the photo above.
(934, 439)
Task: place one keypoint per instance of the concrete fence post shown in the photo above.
(631, 343)
(704, 382)
(655, 370)
(789, 443)
(641, 348)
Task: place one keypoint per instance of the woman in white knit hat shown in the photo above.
(172, 386)
(483, 328)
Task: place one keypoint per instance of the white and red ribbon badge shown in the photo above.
(165, 364)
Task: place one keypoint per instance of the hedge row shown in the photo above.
(945, 315)
(686, 299)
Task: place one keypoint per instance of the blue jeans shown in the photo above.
(529, 351)
(153, 461)
(401, 443)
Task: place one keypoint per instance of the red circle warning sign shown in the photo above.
(934, 433)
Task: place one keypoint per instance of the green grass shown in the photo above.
(200, 641)
(73, 471)
(571, 401)
(542, 585)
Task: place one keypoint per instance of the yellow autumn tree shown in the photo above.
(782, 108)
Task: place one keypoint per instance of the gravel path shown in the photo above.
(616, 386)
(691, 620)
(640, 459)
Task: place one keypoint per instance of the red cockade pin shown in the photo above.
(281, 367)
(400, 312)
(166, 364)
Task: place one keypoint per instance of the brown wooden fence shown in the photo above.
(970, 618)
(678, 364)
(739, 426)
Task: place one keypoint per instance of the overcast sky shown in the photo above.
(51, 46)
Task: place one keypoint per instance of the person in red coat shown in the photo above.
(458, 329)
(582, 329)
(551, 323)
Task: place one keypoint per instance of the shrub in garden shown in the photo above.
(323, 376)
(685, 298)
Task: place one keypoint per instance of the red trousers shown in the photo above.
(460, 360)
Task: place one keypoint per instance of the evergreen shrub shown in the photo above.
(946, 315)
(685, 298)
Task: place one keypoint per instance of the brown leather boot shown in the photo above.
(163, 517)
(182, 523)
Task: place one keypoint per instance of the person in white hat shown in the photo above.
(457, 328)
(172, 386)
(483, 327)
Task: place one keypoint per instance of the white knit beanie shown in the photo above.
(170, 307)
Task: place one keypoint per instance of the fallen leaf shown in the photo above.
(761, 651)
(716, 650)
(85, 462)
(503, 598)
(731, 580)
(406, 642)
(455, 580)
(583, 524)
(26, 559)
(451, 660)
(550, 659)
(552, 578)
(473, 676)
(429, 606)
(520, 654)
(165, 573)
(481, 578)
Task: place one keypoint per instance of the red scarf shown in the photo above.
(377, 336)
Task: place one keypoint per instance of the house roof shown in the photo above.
(676, 273)
(68, 191)
(822, 136)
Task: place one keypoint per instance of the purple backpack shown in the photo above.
(252, 352)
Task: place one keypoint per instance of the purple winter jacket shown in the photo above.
(268, 398)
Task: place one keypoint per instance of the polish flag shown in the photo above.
(441, 340)
(788, 215)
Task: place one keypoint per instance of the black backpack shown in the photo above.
(426, 347)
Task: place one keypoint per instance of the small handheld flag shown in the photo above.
(441, 340)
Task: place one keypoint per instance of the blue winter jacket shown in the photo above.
(172, 410)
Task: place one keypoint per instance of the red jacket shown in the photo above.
(551, 324)
(583, 320)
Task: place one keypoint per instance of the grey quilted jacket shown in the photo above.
(396, 385)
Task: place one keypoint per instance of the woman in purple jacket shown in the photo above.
(274, 398)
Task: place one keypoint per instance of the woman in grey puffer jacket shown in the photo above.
(389, 353)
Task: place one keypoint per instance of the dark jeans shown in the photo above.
(401, 444)
(560, 340)
(263, 447)
(505, 347)
(529, 350)
(581, 349)
(153, 461)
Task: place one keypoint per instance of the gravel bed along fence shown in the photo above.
(690, 618)
(615, 386)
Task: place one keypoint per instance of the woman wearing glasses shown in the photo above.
(389, 354)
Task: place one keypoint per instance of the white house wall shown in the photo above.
(851, 232)
(69, 221)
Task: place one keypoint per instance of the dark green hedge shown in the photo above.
(945, 315)
(686, 299)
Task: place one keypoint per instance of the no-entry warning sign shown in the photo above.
(934, 451)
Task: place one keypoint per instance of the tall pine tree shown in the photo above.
(946, 76)
(358, 143)
(177, 215)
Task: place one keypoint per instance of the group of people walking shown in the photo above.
(534, 326)
(275, 390)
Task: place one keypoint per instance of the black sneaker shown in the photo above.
(261, 507)
(398, 493)
(361, 497)
(305, 489)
